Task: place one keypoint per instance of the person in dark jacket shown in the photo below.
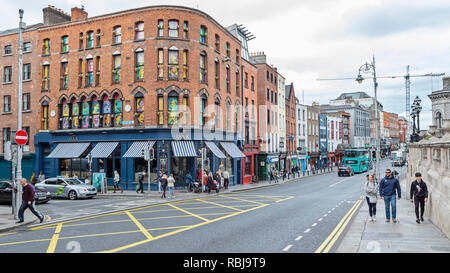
(210, 182)
(217, 178)
(419, 192)
(389, 189)
(141, 183)
(164, 185)
(28, 201)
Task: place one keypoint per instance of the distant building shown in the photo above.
(359, 123)
(291, 125)
(313, 136)
(334, 136)
(323, 144)
(302, 136)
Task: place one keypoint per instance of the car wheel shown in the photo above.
(72, 195)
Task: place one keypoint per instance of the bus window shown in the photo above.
(351, 154)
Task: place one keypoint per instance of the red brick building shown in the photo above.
(291, 127)
(121, 79)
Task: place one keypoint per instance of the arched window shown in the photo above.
(107, 113)
(75, 114)
(117, 110)
(46, 47)
(439, 120)
(95, 112)
(140, 116)
(217, 42)
(172, 107)
(185, 118)
(85, 113)
(228, 116)
(160, 110)
(217, 114)
(64, 115)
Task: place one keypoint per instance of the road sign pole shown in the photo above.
(19, 111)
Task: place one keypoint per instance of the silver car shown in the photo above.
(71, 188)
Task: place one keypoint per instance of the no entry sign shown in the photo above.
(21, 137)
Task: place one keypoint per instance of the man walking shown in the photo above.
(389, 189)
(28, 201)
(419, 191)
(226, 179)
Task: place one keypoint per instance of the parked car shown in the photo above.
(6, 189)
(42, 195)
(71, 188)
(345, 170)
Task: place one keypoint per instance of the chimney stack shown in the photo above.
(54, 15)
(78, 14)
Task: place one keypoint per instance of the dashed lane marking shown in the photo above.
(287, 248)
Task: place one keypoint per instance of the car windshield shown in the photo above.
(73, 181)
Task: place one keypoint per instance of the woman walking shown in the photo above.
(170, 186)
(164, 185)
(117, 181)
(371, 189)
(210, 182)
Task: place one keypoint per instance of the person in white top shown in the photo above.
(170, 186)
(117, 181)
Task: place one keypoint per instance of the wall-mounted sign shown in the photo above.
(53, 113)
(127, 122)
(127, 108)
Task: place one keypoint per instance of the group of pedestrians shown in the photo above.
(389, 190)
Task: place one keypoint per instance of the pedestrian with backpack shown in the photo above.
(141, 183)
(419, 196)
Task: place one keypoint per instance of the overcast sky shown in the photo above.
(311, 39)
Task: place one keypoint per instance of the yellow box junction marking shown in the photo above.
(139, 225)
(54, 240)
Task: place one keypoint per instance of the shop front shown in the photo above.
(331, 160)
(66, 154)
(249, 164)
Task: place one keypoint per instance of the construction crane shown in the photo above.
(407, 78)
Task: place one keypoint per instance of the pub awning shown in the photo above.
(69, 150)
(183, 149)
(232, 149)
(104, 149)
(136, 149)
(213, 147)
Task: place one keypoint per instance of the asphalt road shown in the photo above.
(297, 217)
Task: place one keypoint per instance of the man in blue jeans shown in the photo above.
(389, 189)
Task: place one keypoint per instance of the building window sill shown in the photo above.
(7, 113)
(26, 111)
(6, 55)
(5, 83)
(27, 80)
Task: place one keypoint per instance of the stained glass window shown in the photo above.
(45, 116)
(173, 28)
(75, 114)
(160, 63)
(140, 31)
(140, 117)
(85, 111)
(95, 112)
(140, 65)
(90, 72)
(117, 111)
(173, 110)
(65, 114)
(107, 121)
(173, 65)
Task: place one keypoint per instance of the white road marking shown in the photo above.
(308, 230)
(329, 211)
(315, 224)
(320, 220)
(287, 248)
(298, 238)
(325, 215)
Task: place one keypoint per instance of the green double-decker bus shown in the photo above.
(357, 159)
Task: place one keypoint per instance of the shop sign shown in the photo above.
(130, 122)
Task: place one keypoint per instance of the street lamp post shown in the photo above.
(370, 68)
(415, 113)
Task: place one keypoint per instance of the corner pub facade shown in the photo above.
(115, 83)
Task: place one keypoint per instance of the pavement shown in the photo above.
(406, 236)
(7, 221)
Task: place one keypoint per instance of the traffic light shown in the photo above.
(152, 154)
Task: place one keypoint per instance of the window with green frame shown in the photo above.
(139, 65)
(65, 44)
(90, 39)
